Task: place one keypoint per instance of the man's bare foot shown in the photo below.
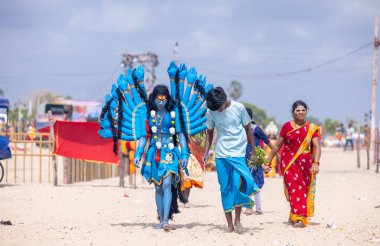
(259, 212)
(230, 229)
(239, 227)
(248, 211)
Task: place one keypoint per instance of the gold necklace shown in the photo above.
(295, 125)
(162, 118)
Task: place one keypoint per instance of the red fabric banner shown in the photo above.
(198, 151)
(80, 140)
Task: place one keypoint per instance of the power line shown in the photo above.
(283, 74)
(106, 82)
(28, 76)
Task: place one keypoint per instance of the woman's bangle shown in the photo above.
(316, 162)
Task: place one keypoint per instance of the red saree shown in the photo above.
(296, 161)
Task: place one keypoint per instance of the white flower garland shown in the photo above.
(154, 129)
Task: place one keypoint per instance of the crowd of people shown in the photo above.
(297, 160)
(349, 138)
(166, 159)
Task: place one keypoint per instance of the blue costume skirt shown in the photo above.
(157, 166)
(230, 171)
(258, 175)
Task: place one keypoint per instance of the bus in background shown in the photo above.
(67, 109)
(59, 112)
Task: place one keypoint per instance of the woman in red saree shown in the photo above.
(299, 163)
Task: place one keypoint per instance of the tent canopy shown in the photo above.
(4, 103)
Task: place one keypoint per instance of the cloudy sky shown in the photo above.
(74, 48)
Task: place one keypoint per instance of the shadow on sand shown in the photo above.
(191, 225)
(291, 224)
(8, 185)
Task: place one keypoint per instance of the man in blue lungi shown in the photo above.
(232, 124)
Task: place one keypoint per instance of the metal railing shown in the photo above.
(28, 151)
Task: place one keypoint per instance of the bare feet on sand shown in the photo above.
(230, 228)
(299, 224)
(248, 211)
(239, 227)
(158, 226)
(166, 227)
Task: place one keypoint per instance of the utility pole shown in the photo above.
(148, 60)
(175, 53)
(374, 76)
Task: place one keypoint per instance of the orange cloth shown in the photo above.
(272, 172)
(196, 174)
(129, 148)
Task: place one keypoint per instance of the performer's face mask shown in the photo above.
(160, 101)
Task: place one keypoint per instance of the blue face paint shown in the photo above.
(160, 104)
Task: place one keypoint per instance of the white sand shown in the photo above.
(97, 213)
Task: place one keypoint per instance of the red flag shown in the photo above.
(197, 151)
(80, 140)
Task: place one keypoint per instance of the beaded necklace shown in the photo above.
(154, 128)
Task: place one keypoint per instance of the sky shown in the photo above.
(74, 48)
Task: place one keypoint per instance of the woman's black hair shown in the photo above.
(249, 111)
(105, 108)
(299, 103)
(120, 117)
(170, 103)
(215, 98)
(160, 90)
(115, 133)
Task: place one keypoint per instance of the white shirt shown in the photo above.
(350, 133)
(231, 138)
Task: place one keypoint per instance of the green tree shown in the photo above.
(330, 126)
(14, 113)
(314, 120)
(235, 90)
(259, 115)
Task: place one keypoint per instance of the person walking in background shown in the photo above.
(273, 164)
(232, 123)
(349, 137)
(339, 131)
(271, 129)
(256, 171)
(195, 175)
(128, 149)
(299, 163)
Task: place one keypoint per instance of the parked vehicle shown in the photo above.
(5, 151)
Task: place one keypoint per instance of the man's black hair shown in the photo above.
(215, 98)
(249, 111)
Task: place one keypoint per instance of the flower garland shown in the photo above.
(155, 129)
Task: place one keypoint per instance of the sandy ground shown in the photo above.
(99, 213)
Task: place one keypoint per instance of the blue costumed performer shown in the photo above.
(163, 121)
